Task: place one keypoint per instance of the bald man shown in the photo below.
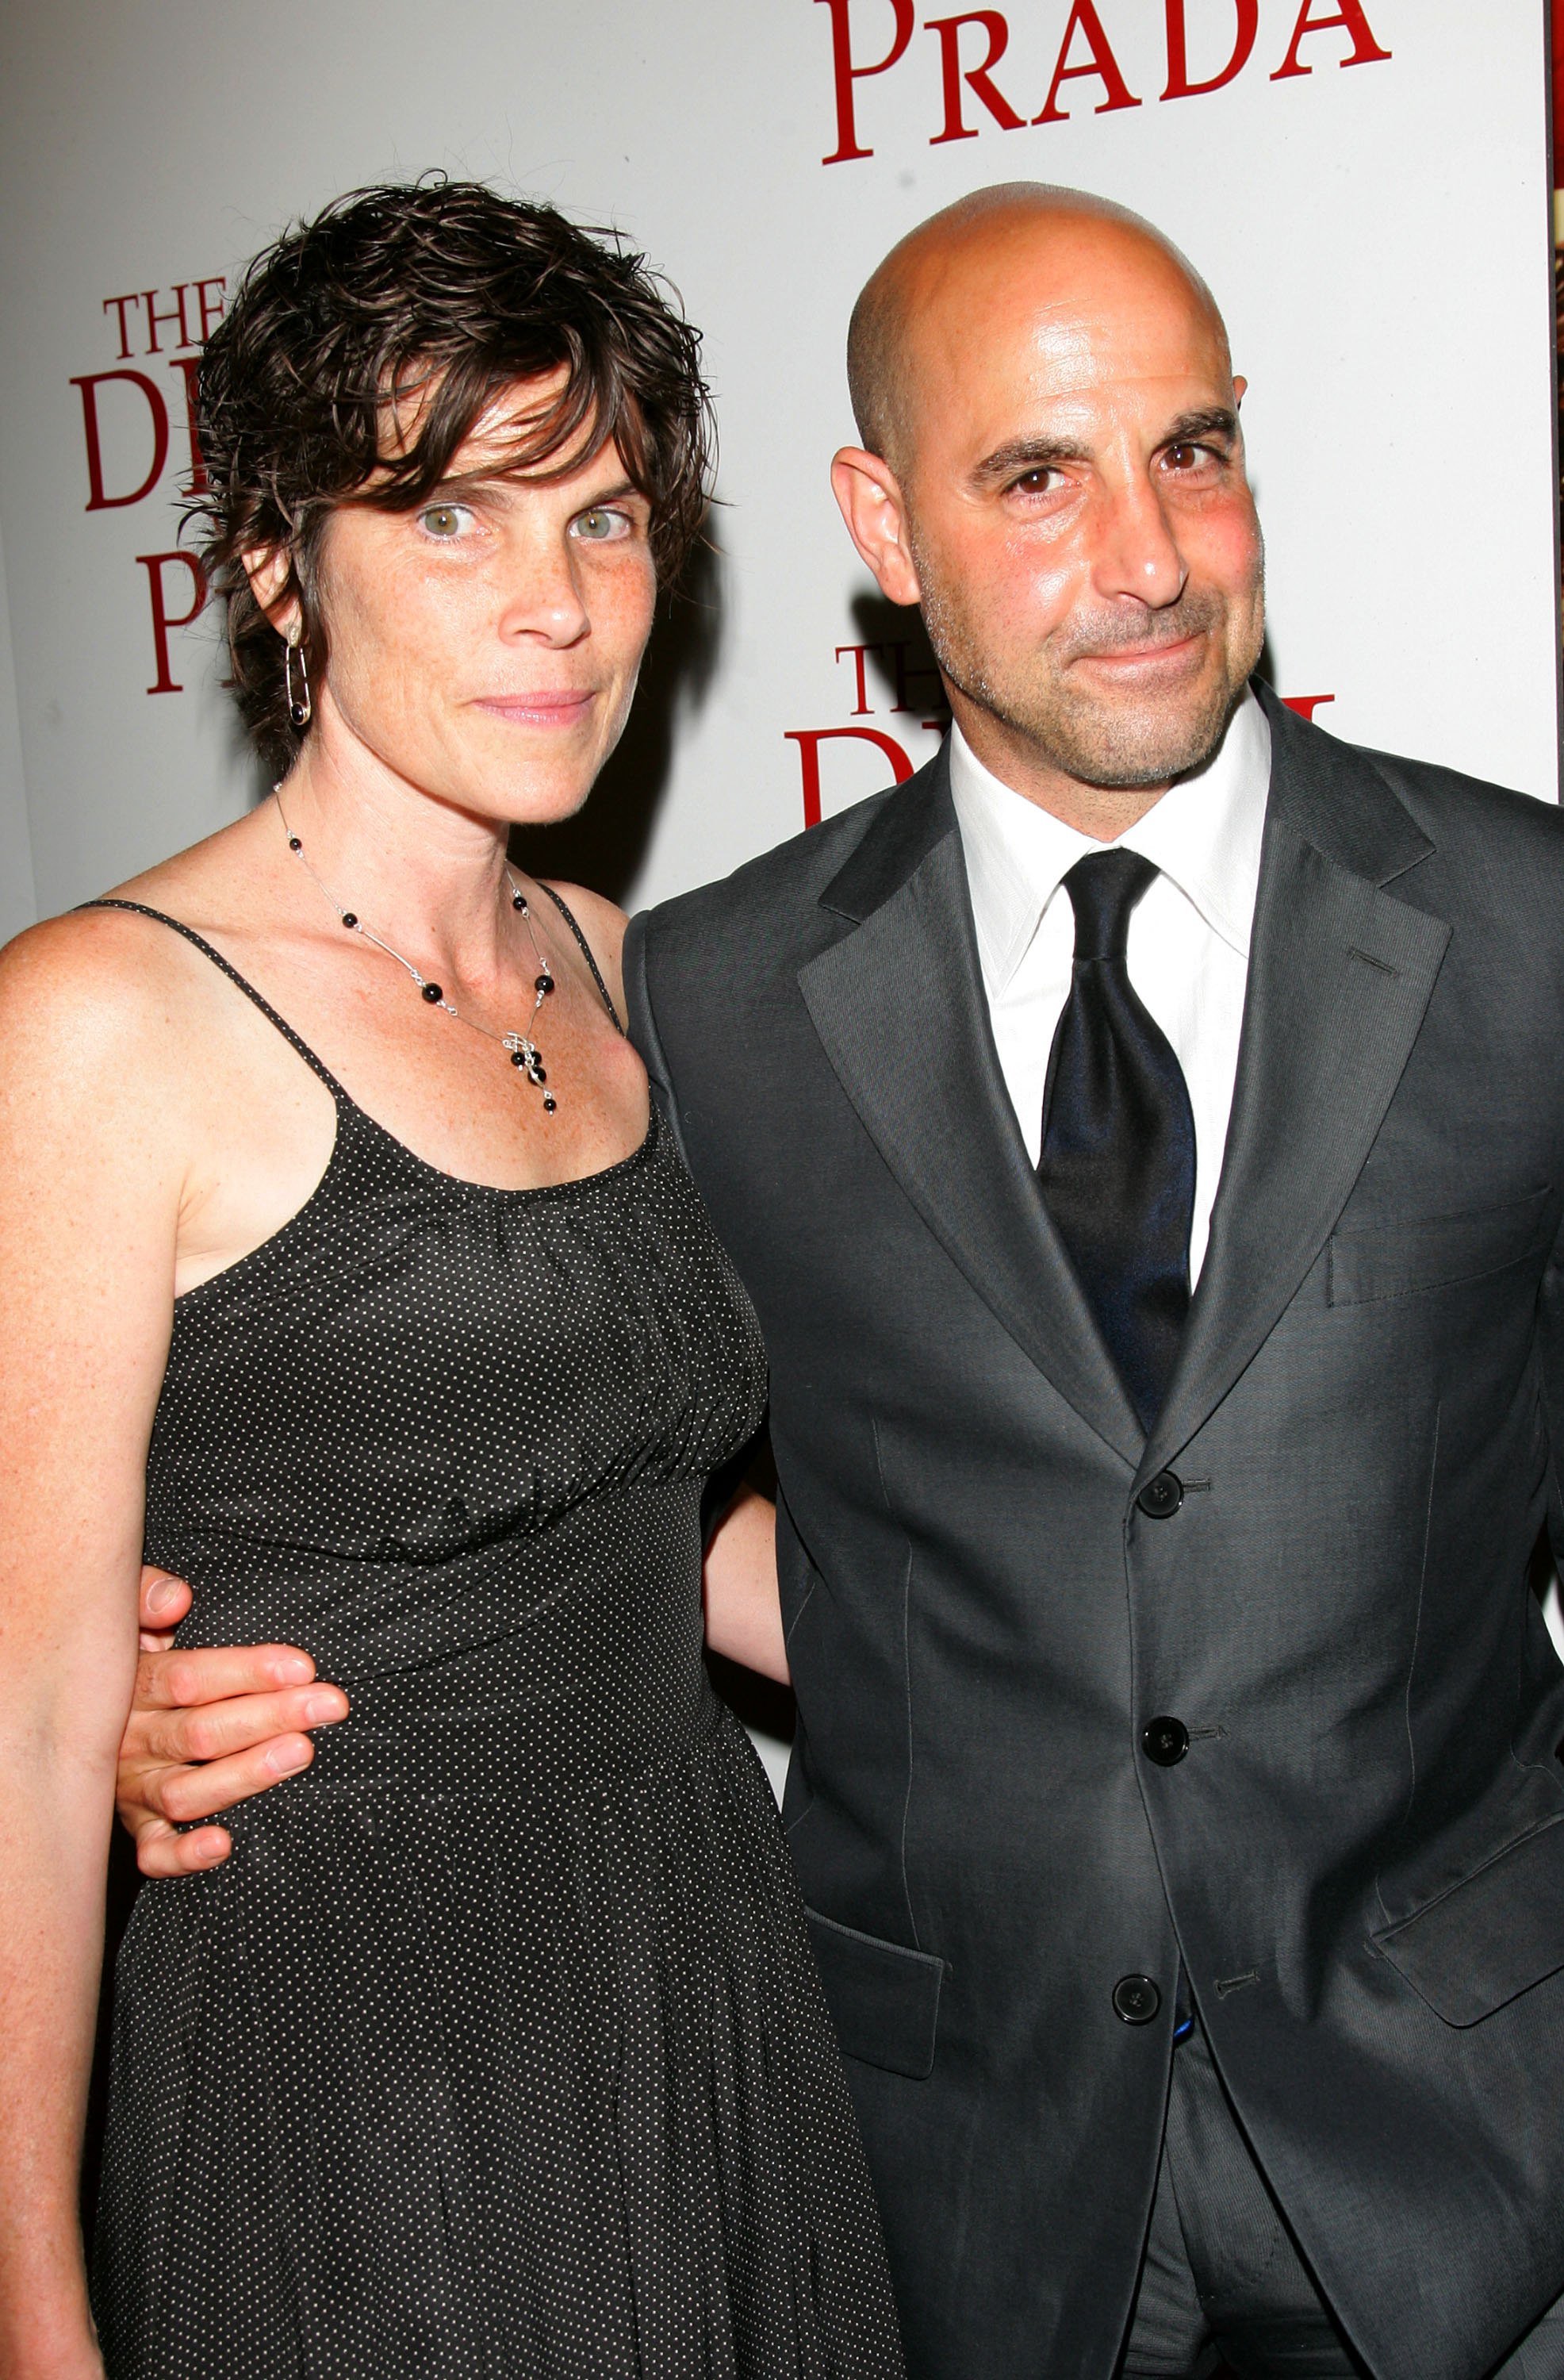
(1142, 1135)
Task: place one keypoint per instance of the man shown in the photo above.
(1177, 1789)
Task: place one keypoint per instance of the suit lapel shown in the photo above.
(1339, 976)
(900, 1009)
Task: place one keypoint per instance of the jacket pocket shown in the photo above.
(1490, 1937)
(884, 2000)
(1394, 1259)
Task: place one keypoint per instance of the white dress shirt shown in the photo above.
(1188, 953)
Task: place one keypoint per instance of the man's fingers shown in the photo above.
(185, 1793)
(212, 1673)
(164, 1599)
(162, 1850)
(213, 1730)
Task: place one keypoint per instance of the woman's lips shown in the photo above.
(540, 706)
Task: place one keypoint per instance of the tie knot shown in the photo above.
(1103, 888)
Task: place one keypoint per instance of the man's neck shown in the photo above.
(1104, 812)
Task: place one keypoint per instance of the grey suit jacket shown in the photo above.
(1361, 1859)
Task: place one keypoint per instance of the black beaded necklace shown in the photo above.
(523, 1050)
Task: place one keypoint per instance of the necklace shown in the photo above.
(523, 1050)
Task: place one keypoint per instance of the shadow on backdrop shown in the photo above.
(899, 666)
(604, 845)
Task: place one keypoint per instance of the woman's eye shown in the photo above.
(443, 521)
(598, 523)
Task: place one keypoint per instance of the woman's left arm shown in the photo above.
(742, 1607)
(90, 1184)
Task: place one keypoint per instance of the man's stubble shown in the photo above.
(1126, 745)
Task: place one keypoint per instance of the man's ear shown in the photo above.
(266, 567)
(1240, 388)
(867, 489)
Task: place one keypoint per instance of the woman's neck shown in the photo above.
(428, 877)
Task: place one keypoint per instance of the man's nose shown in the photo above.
(1135, 550)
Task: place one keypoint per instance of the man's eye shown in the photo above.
(443, 521)
(598, 525)
(1187, 456)
(1038, 482)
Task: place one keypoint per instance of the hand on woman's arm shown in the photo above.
(209, 1726)
(90, 1181)
(743, 1607)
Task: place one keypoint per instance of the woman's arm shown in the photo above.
(90, 1184)
(743, 1607)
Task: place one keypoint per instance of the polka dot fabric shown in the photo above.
(496, 2047)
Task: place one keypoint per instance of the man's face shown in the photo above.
(1073, 501)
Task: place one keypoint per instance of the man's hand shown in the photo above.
(209, 1727)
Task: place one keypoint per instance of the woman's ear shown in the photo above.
(266, 567)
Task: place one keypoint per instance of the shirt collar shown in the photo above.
(1205, 834)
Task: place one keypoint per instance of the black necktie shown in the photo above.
(1118, 1157)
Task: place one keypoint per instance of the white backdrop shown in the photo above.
(1364, 185)
(1376, 227)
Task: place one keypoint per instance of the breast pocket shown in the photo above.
(1396, 1259)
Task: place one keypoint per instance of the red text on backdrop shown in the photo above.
(966, 97)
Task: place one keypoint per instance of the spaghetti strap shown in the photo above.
(140, 909)
(586, 951)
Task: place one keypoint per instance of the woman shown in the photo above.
(344, 1266)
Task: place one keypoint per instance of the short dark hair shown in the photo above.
(436, 287)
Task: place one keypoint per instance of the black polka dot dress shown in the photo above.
(495, 2048)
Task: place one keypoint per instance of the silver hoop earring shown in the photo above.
(299, 705)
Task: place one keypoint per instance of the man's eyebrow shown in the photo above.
(1040, 453)
(1030, 455)
(1209, 421)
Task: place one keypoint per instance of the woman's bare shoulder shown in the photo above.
(604, 925)
(96, 1007)
(126, 972)
(101, 958)
(91, 1094)
(598, 917)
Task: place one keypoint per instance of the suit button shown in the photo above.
(1161, 1497)
(1166, 1740)
(1136, 1999)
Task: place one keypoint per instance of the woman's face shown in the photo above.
(484, 648)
